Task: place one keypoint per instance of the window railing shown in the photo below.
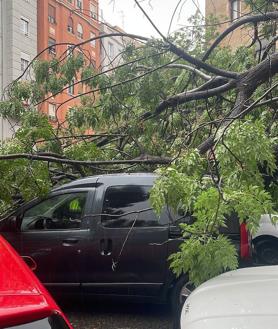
(51, 19)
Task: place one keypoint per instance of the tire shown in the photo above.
(178, 296)
(267, 251)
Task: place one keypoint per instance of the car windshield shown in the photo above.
(52, 322)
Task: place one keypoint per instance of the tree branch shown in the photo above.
(247, 85)
(183, 67)
(188, 96)
(34, 157)
(201, 64)
(241, 21)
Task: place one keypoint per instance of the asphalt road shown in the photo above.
(104, 315)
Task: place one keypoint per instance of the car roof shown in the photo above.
(23, 298)
(121, 179)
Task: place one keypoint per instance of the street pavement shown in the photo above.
(108, 315)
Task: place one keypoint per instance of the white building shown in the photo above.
(18, 45)
(111, 48)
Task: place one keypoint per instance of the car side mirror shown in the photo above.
(174, 232)
(13, 223)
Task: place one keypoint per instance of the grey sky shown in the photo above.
(125, 14)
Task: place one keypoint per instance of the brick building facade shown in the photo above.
(71, 21)
(226, 12)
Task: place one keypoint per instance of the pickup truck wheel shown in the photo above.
(178, 296)
(267, 251)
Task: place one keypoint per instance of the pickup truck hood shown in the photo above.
(241, 299)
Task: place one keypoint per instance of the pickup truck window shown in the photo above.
(119, 201)
(59, 212)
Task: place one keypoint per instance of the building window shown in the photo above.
(93, 11)
(52, 111)
(70, 1)
(70, 50)
(71, 88)
(24, 61)
(110, 50)
(70, 25)
(51, 44)
(93, 42)
(24, 25)
(79, 4)
(235, 9)
(23, 64)
(80, 88)
(79, 31)
(51, 14)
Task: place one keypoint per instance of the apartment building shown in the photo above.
(226, 12)
(18, 45)
(71, 21)
(112, 47)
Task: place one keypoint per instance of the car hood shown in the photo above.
(241, 299)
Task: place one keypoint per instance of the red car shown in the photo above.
(24, 302)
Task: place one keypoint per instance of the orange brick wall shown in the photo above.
(222, 10)
(59, 32)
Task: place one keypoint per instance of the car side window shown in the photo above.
(56, 213)
(121, 201)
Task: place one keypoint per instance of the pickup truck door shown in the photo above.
(54, 233)
(132, 245)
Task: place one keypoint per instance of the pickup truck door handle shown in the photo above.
(70, 242)
(105, 247)
(30, 262)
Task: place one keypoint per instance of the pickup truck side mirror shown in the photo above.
(13, 223)
(174, 232)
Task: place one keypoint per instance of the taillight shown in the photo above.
(245, 249)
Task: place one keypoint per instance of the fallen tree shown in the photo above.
(203, 115)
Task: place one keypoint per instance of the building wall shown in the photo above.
(111, 47)
(58, 31)
(222, 10)
(15, 44)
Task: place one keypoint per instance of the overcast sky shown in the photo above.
(125, 14)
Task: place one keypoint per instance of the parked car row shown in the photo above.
(99, 236)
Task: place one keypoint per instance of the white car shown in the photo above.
(242, 299)
(265, 241)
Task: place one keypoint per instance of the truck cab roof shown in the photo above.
(110, 179)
